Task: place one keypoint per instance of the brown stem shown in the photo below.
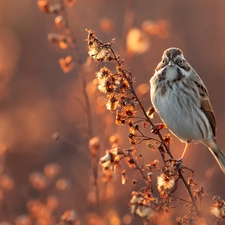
(159, 134)
(189, 191)
(137, 167)
(166, 147)
(83, 78)
(75, 47)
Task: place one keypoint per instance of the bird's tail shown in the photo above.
(219, 156)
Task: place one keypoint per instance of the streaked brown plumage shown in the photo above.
(182, 101)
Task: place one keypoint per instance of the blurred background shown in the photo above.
(38, 99)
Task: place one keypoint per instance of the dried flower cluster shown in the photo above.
(147, 203)
(156, 196)
(46, 7)
(144, 205)
(64, 40)
(43, 211)
(218, 208)
(150, 203)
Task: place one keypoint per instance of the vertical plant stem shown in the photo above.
(88, 114)
(83, 78)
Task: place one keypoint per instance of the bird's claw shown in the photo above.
(178, 163)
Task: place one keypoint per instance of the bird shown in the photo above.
(181, 100)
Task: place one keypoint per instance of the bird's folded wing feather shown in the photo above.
(206, 106)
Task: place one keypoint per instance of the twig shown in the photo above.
(81, 72)
(159, 134)
(87, 105)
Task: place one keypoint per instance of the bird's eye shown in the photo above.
(163, 61)
(181, 61)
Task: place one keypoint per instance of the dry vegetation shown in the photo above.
(125, 170)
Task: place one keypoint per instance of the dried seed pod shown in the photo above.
(59, 21)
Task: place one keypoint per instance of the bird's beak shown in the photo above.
(171, 63)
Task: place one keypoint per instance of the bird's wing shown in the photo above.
(206, 106)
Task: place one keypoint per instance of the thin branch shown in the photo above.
(82, 74)
(159, 134)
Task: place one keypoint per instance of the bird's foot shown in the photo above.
(178, 164)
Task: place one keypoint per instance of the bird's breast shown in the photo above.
(177, 107)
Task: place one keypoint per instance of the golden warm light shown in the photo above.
(80, 141)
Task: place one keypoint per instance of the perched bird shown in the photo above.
(182, 101)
